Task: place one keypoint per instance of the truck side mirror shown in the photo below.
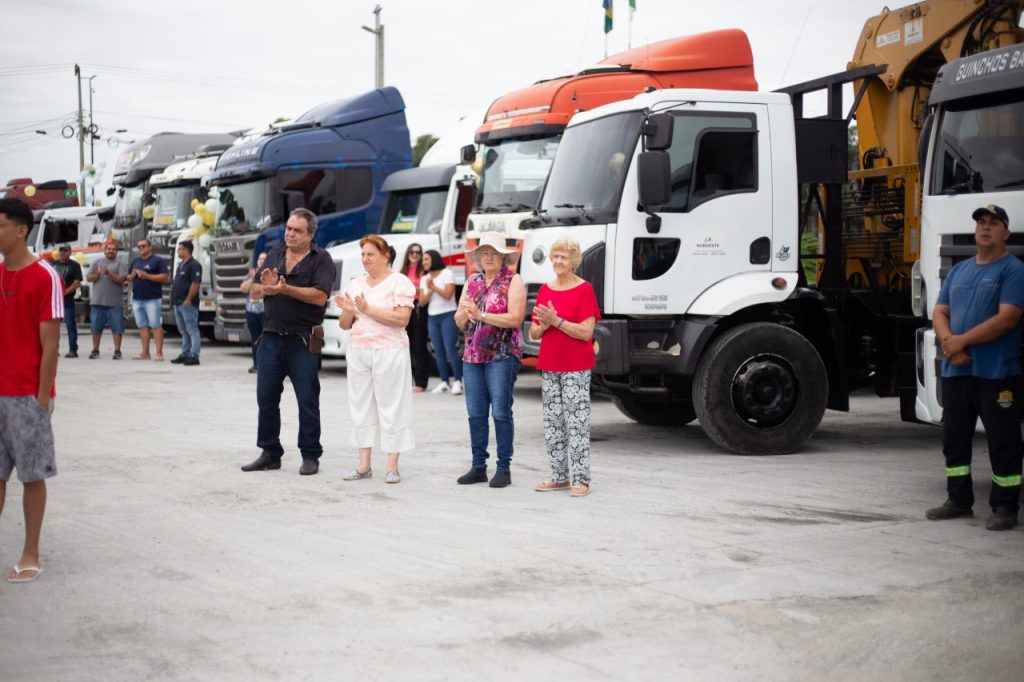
(654, 174)
(110, 191)
(658, 132)
(293, 199)
(467, 154)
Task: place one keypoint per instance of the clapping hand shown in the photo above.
(361, 304)
(546, 314)
(469, 305)
(271, 281)
(345, 302)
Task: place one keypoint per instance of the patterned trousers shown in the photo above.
(566, 397)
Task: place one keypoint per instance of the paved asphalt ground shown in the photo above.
(165, 562)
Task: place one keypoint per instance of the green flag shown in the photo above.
(609, 15)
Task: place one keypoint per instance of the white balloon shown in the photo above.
(204, 241)
(195, 222)
(211, 206)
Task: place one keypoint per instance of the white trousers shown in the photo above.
(380, 397)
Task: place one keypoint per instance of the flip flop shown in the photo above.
(18, 570)
(140, 356)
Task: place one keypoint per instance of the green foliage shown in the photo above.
(853, 152)
(420, 147)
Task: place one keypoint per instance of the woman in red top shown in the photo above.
(563, 320)
(412, 267)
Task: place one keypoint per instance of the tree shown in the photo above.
(422, 144)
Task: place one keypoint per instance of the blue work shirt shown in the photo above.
(974, 293)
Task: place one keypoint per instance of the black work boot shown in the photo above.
(473, 476)
(309, 467)
(502, 478)
(1002, 519)
(265, 462)
(948, 510)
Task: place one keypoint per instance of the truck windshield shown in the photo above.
(172, 207)
(513, 174)
(245, 208)
(417, 211)
(586, 178)
(980, 146)
(128, 208)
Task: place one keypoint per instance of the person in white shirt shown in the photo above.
(437, 293)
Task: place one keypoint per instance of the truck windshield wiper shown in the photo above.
(1014, 183)
(579, 207)
(958, 188)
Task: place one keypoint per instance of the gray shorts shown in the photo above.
(26, 439)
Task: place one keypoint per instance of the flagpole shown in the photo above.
(629, 31)
(606, 46)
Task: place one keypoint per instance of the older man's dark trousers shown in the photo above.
(998, 403)
(281, 356)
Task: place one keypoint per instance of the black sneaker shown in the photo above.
(473, 476)
(1002, 519)
(265, 462)
(94, 354)
(252, 370)
(71, 354)
(188, 362)
(117, 355)
(948, 510)
(178, 360)
(502, 479)
(309, 467)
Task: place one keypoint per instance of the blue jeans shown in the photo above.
(102, 315)
(72, 326)
(187, 317)
(489, 389)
(444, 335)
(254, 321)
(280, 356)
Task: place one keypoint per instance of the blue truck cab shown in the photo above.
(332, 160)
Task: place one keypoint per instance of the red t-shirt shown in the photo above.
(28, 296)
(560, 352)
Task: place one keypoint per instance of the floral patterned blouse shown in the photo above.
(485, 342)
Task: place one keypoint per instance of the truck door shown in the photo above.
(718, 220)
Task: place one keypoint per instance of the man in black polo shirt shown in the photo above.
(71, 273)
(295, 281)
(185, 297)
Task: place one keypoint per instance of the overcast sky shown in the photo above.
(195, 66)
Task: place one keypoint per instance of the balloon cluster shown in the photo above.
(202, 219)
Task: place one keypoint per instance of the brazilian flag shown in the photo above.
(609, 16)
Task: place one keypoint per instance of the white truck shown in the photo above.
(975, 158)
(84, 230)
(687, 207)
(173, 190)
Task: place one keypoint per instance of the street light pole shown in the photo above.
(378, 31)
(92, 135)
(81, 123)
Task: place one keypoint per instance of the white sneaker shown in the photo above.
(456, 387)
(441, 388)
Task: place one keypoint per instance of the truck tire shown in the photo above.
(656, 414)
(760, 389)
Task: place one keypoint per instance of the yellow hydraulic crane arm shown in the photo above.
(912, 43)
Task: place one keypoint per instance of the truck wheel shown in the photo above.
(761, 389)
(656, 414)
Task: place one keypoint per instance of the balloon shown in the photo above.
(204, 241)
(195, 202)
(208, 218)
(55, 255)
(195, 222)
(30, 191)
(148, 212)
(79, 258)
(211, 206)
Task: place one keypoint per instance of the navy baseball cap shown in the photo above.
(997, 212)
(64, 247)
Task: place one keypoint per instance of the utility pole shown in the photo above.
(378, 31)
(81, 123)
(92, 128)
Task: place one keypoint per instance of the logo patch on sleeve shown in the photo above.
(1005, 399)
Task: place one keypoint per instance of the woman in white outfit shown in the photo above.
(376, 308)
(437, 293)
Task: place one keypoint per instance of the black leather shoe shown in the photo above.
(178, 360)
(1002, 519)
(189, 361)
(473, 476)
(948, 510)
(502, 478)
(309, 467)
(265, 462)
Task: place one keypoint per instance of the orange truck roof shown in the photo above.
(719, 60)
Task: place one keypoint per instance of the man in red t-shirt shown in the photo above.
(31, 310)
